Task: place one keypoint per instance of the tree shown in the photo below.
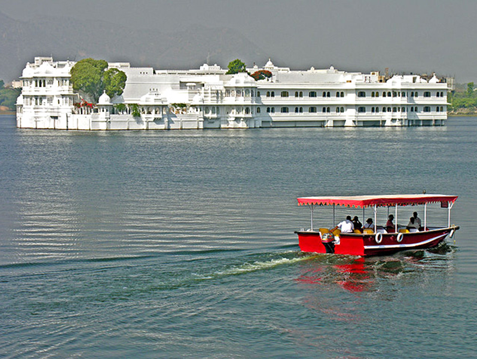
(470, 89)
(90, 77)
(235, 67)
(114, 82)
(2, 83)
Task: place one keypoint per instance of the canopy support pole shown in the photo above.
(311, 228)
(334, 220)
(395, 223)
(375, 223)
(450, 205)
(425, 217)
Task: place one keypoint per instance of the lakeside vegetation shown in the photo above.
(8, 97)
(463, 100)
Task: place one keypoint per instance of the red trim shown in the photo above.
(380, 201)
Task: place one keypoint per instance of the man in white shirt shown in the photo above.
(346, 226)
(417, 220)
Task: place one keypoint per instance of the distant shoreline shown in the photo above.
(7, 112)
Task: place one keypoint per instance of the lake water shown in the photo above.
(181, 244)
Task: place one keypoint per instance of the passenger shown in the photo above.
(389, 224)
(417, 220)
(412, 224)
(346, 226)
(369, 224)
(357, 224)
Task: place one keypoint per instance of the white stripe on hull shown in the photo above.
(412, 245)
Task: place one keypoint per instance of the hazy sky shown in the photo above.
(353, 35)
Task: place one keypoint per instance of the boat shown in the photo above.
(377, 240)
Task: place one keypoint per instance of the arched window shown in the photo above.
(284, 94)
(268, 109)
(412, 109)
(258, 93)
(296, 93)
(258, 110)
(361, 109)
(301, 93)
(301, 109)
(268, 93)
(337, 94)
(389, 93)
(324, 93)
(377, 109)
(437, 108)
(384, 109)
(312, 94)
(394, 109)
(389, 109)
(247, 110)
(372, 109)
(427, 109)
(273, 109)
(372, 95)
(328, 94)
(384, 94)
(312, 109)
(296, 109)
(273, 93)
(337, 110)
(427, 94)
(361, 94)
(324, 110)
(342, 94)
(394, 94)
(328, 109)
(284, 110)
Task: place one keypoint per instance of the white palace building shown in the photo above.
(208, 98)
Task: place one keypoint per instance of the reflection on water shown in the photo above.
(358, 274)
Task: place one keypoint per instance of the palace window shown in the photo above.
(268, 109)
(258, 110)
(361, 109)
(324, 110)
(384, 94)
(296, 109)
(341, 94)
(328, 110)
(389, 93)
(284, 110)
(427, 94)
(427, 109)
(403, 94)
(394, 109)
(361, 94)
(284, 94)
(337, 94)
(258, 93)
(312, 94)
(273, 94)
(312, 110)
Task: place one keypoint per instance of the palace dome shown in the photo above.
(104, 99)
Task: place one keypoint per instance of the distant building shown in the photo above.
(208, 98)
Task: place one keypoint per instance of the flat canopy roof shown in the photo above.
(380, 201)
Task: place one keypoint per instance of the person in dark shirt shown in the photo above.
(357, 224)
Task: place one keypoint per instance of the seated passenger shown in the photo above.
(346, 226)
(369, 224)
(412, 223)
(390, 225)
(357, 224)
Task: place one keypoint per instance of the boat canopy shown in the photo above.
(378, 201)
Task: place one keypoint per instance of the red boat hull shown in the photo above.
(367, 244)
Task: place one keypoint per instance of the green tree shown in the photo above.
(235, 67)
(91, 79)
(470, 89)
(2, 83)
(114, 82)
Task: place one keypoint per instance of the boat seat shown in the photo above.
(324, 230)
(368, 230)
(336, 232)
(404, 230)
(357, 231)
